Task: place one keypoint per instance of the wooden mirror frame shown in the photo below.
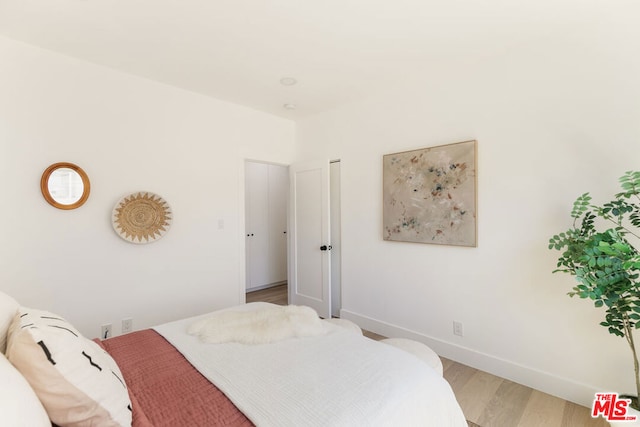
(44, 185)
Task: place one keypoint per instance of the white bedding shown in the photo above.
(337, 379)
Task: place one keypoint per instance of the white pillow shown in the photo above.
(19, 405)
(8, 309)
(77, 381)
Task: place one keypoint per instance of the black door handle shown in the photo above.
(325, 247)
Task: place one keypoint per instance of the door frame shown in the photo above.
(242, 226)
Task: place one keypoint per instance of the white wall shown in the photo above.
(553, 118)
(128, 134)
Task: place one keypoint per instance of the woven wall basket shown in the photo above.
(141, 217)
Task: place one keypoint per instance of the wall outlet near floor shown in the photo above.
(457, 328)
(106, 331)
(127, 325)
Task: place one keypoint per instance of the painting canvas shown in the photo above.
(429, 195)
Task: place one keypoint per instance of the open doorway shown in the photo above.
(266, 194)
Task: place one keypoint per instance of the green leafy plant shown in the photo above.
(597, 251)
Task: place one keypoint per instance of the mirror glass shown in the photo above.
(65, 185)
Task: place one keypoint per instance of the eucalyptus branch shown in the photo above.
(604, 263)
(619, 224)
(628, 328)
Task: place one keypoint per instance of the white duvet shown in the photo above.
(336, 379)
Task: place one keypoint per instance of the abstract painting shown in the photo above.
(429, 195)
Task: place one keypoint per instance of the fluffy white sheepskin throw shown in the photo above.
(261, 326)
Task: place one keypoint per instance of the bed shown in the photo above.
(214, 370)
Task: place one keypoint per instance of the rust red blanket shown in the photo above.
(165, 389)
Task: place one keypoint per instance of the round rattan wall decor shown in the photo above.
(141, 217)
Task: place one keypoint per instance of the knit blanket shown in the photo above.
(337, 378)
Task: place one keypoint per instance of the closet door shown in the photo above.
(256, 224)
(277, 212)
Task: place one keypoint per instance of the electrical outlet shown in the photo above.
(127, 325)
(457, 328)
(106, 331)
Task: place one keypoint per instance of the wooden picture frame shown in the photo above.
(430, 195)
(65, 185)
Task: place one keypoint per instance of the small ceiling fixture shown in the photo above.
(289, 106)
(288, 81)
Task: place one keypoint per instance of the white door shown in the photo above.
(310, 245)
(256, 220)
(277, 212)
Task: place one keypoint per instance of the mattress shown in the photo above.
(337, 379)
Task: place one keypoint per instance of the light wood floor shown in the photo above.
(485, 399)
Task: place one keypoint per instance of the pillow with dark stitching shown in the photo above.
(77, 382)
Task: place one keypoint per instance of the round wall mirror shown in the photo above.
(65, 185)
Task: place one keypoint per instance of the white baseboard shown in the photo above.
(582, 394)
(263, 287)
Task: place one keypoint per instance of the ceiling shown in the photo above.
(337, 50)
